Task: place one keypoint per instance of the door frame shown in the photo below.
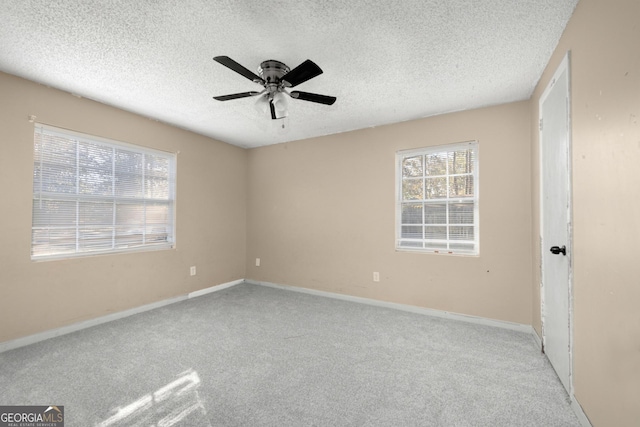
(565, 65)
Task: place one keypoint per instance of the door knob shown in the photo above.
(559, 250)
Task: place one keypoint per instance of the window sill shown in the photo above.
(59, 257)
(438, 252)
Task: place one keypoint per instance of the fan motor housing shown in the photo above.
(272, 71)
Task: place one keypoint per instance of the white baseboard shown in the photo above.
(577, 409)
(52, 333)
(410, 308)
(214, 288)
(536, 338)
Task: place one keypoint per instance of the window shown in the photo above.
(92, 195)
(437, 199)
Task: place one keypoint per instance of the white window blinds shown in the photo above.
(437, 199)
(92, 195)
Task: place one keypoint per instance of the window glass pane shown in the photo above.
(158, 223)
(410, 244)
(412, 166)
(156, 234)
(412, 189)
(412, 213)
(436, 245)
(94, 238)
(157, 213)
(411, 232)
(436, 188)
(53, 213)
(461, 233)
(156, 166)
(461, 161)
(128, 170)
(127, 237)
(436, 164)
(156, 188)
(95, 174)
(57, 165)
(461, 213)
(435, 213)
(37, 164)
(461, 186)
(95, 213)
(437, 233)
(462, 246)
(53, 241)
(130, 213)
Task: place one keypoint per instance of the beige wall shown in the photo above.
(603, 37)
(321, 216)
(211, 226)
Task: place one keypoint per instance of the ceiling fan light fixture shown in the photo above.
(262, 104)
(280, 104)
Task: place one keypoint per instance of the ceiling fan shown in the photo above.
(276, 78)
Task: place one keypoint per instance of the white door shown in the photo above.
(555, 143)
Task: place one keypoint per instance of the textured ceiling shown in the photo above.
(385, 61)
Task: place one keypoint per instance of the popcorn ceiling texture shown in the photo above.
(385, 61)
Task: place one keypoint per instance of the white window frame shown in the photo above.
(149, 241)
(440, 246)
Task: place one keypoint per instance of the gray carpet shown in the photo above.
(257, 356)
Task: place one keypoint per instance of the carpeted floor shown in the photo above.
(257, 356)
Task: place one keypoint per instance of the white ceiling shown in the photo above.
(385, 61)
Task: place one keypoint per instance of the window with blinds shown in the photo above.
(92, 196)
(437, 199)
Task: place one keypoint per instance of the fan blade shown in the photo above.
(303, 72)
(233, 65)
(235, 96)
(313, 97)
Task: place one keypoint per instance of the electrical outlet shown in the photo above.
(257, 262)
(192, 270)
(376, 276)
